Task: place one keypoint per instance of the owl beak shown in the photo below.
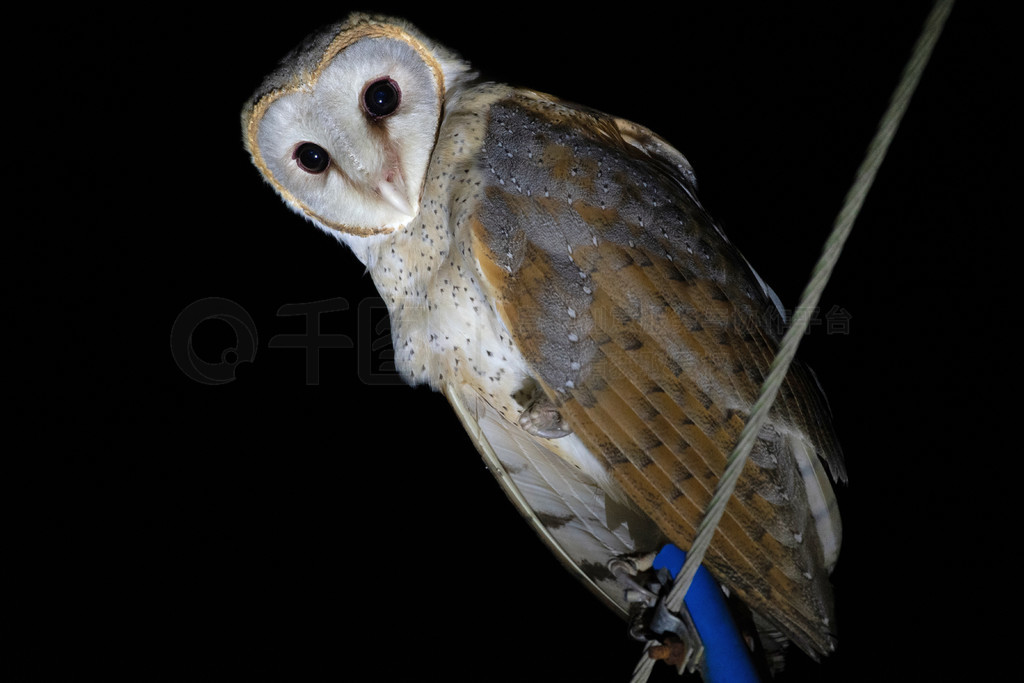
(393, 190)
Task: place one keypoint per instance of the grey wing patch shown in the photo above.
(678, 167)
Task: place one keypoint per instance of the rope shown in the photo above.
(808, 302)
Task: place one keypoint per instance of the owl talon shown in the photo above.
(673, 635)
(673, 652)
(681, 644)
(542, 419)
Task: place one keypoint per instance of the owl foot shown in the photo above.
(542, 419)
(673, 636)
(680, 644)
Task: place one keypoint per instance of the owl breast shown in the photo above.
(445, 327)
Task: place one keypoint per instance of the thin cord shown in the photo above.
(808, 302)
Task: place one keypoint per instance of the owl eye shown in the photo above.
(381, 98)
(311, 158)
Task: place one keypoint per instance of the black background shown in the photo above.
(273, 528)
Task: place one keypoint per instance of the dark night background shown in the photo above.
(276, 529)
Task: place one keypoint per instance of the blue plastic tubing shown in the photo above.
(726, 656)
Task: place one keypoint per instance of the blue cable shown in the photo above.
(727, 659)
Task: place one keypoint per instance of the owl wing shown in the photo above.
(652, 335)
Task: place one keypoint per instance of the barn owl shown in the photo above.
(550, 270)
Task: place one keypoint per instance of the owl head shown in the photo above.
(344, 128)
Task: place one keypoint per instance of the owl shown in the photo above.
(550, 269)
